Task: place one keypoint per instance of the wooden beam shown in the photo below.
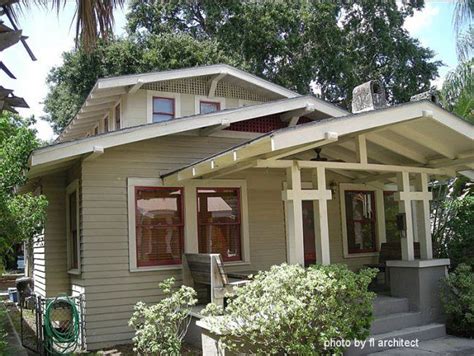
(463, 158)
(97, 151)
(215, 128)
(426, 140)
(361, 146)
(136, 86)
(109, 99)
(330, 137)
(103, 93)
(213, 84)
(397, 148)
(98, 107)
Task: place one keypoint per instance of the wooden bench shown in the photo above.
(208, 269)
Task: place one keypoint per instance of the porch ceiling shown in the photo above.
(416, 136)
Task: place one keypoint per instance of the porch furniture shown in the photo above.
(207, 269)
(391, 251)
(242, 275)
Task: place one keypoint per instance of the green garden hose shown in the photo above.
(61, 336)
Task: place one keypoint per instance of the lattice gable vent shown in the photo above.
(200, 86)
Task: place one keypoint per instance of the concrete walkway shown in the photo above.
(446, 346)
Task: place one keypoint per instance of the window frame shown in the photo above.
(73, 187)
(180, 226)
(165, 95)
(239, 223)
(105, 124)
(214, 100)
(379, 226)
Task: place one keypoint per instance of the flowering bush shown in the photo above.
(457, 296)
(293, 310)
(160, 328)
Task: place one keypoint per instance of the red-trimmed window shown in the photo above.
(219, 220)
(163, 109)
(360, 221)
(206, 107)
(159, 225)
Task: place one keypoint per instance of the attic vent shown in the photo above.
(368, 96)
(431, 95)
(200, 86)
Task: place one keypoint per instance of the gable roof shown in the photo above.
(106, 91)
(49, 156)
(422, 125)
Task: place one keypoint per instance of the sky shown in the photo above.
(50, 36)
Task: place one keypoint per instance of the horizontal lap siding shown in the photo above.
(111, 289)
(49, 270)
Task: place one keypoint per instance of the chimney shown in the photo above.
(431, 95)
(368, 96)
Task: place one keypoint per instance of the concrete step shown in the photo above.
(384, 305)
(396, 321)
(389, 340)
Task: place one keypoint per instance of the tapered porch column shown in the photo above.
(294, 216)
(320, 207)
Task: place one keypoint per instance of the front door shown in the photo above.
(308, 233)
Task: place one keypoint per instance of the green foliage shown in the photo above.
(71, 82)
(21, 215)
(293, 310)
(457, 93)
(3, 333)
(160, 328)
(458, 301)
(460, 231)
(302, 45)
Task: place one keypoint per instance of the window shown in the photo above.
(106, 124)
(72, 226)
(219, 222)
(309, 240)
(391, 210)
(163, 109)
(159, 225)
(206, 107)
(96, 130)
(360, 221)
(117, 117)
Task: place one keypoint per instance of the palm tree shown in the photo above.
(462, 16)
(458, 90)
(94, 18)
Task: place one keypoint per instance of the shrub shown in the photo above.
(457, 296)
(160, 328)
(293, 310)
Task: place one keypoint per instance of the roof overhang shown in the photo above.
(60, 153)
(107, 91)
(447, 147)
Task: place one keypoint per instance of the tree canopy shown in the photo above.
(320, 47)
(21, 215)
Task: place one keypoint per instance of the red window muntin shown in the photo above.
(224, 235)
(170, 114)
(173, 228)
(362, 221)
(216, 104)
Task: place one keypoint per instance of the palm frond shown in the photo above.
(465, 45)
(94, 18)
(463, 14)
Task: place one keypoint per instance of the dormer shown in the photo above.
(133, 100)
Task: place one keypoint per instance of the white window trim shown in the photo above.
(71, 188)
(379, 217)
(119, 102)
(214, 99)
(190, 218)
(149, 100)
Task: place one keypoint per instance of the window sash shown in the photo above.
(214, 103)
(106, 124)
(117, 117)
(237, 222)
(179, 226)
(170, 113)
(364, 221)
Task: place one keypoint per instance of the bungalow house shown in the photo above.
(213, 159)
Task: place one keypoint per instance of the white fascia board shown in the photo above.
(367, 121)
(194, 72)
(139, 133)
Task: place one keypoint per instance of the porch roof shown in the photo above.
(419, 135)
